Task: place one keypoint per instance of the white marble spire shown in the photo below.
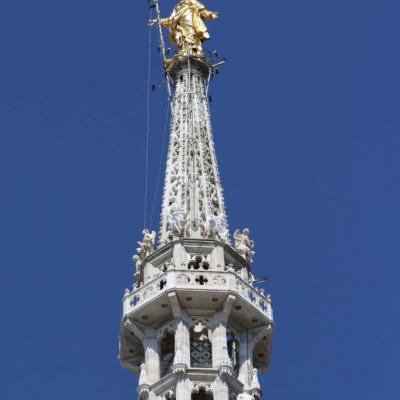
(193, 202)
(195, 326)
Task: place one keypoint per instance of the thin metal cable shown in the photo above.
(161, 162)
(146, 184)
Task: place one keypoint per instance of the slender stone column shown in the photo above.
(182, 350)
(182, 331)
(152, 356)
(219, 343)
(219, 335)
(246, 361)
(182, 339)
(221, 389)
(184, 388)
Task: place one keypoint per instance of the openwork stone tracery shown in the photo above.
(193, 203)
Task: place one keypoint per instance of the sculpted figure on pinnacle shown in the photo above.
(177, 220)
(186, 26)
(145, 248)
(243, 245)
(217, 227)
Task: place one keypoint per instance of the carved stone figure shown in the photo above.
(230, 268)
(244, 274)
(251, 277)
(146, 246)
(217, 226)
(243, 245)
(200, 332)
(138, 262)
(186, 26)
(177, 221)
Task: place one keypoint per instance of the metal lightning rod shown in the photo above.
(156, 4)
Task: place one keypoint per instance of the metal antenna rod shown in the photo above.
(162, 44)
(262, 280)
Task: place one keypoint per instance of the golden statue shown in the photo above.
(186, 26)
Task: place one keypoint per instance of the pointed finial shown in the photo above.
(143, 376)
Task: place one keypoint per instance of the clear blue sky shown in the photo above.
(306, 123)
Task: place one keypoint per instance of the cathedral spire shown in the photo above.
(195, 326)
(193, 202)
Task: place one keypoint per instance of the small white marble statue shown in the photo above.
(200, 332)
(243, 245)
(177, 221)
(138, 262)
(145, 248)
(217, 226)
(244, 274)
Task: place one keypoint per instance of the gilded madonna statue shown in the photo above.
(186, 26)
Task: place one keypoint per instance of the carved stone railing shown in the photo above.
(213, 281)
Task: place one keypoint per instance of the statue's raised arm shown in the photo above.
(186, 26)
(209, 15)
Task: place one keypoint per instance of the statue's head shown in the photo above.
(246, 232)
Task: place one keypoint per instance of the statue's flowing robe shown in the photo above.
(187, 20)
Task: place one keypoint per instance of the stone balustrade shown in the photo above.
(212, 281)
